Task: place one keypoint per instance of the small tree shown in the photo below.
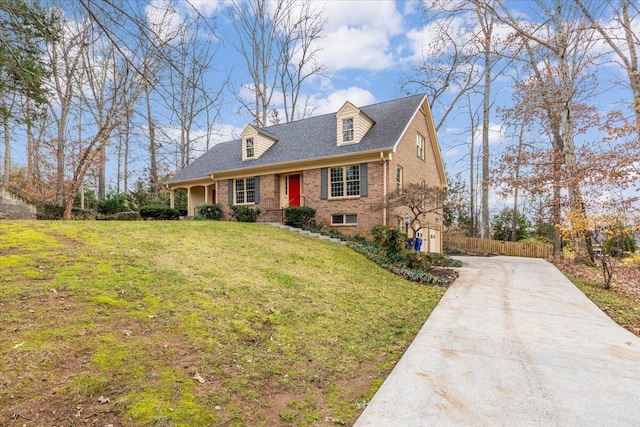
(502, 226)
(419, 200)
(604, 227)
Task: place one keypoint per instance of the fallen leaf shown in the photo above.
(103, 399)
(19, 345)
(198, 378)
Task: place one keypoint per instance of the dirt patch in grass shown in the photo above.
(195, 324)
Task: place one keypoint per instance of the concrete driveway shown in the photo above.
(513, 342)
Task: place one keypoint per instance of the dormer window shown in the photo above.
(347, 130)
(352, 124)
(249, 145)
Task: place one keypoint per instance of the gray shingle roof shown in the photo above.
(307, 139)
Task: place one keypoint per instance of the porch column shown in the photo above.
(189, 213)
(172, 199)
(206, 194)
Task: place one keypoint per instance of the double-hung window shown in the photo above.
(250, 149)
(245, 190)
(347, 130)
(398, 178)
(420, 146)
(345, 181)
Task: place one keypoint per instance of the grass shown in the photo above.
(621, 309)
(190, 323)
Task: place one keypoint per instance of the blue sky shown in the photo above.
(366, 47)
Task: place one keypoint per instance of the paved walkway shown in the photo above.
(512, 343)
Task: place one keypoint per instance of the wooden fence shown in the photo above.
(486, 246)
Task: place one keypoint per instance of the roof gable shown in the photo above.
(255, 142)
(352, 124)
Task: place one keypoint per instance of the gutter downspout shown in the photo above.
(385, 163)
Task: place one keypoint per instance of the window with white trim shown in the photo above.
(398, 178)
(420, 146)
(347, 130)
(344, 219)
(245, 191)
(345, 181)
(250, 149)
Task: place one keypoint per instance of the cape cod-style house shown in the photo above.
(341, 164)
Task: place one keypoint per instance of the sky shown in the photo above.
(366, 46)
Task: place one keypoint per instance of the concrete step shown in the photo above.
(305, 232)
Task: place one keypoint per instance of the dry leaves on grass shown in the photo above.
(626, 279)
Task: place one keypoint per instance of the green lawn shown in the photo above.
(194, 323)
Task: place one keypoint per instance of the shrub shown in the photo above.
(158, 212)
(415, 275)
(616, 246)
(394, 243)
(245, 213)
(632, 261)
(209, 211)
(77, 213)
(49, 211)
(299, 216)
(124, 216)
(113, 203)
(379, 233)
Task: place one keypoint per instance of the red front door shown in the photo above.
(294, 190)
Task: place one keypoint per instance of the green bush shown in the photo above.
(209, 211)
(113, 203)
(84, 214)
(372, 252)
(244, 213)
(299, 216)
(49, 211)
(617, 245)
(124, 216)
(158, 212)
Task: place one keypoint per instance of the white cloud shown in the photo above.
(207, 8)
(164, 20)
(357, 96)
(497, 133)
(355, 48)
(358, 34)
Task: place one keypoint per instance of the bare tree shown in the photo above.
(276, 41)
(619, 35)
(419, 200)
(565, 40)
(65, 58)
(297, 44)
(189, 97)
(449, 64)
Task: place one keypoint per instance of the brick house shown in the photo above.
(341, 164)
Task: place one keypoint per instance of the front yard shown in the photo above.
(194, 323)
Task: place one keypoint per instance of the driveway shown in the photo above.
(513, 342)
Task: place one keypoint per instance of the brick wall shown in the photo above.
(367, 208)
(14, 207)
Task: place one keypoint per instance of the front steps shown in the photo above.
(305, 232)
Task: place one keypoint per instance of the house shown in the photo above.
(341, 164)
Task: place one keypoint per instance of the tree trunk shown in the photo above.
(153, 166)
(7, 147)
(486, 110)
